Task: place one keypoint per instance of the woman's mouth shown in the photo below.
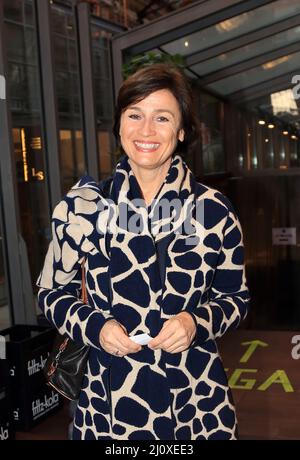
(146, 146)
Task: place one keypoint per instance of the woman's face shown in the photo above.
(150, 129)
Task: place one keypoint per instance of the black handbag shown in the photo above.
(65, 366)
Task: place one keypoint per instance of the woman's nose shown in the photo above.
(147, 127)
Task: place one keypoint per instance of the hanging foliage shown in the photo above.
(151, 58)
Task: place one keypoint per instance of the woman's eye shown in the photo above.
(134, 116)
(163, 119)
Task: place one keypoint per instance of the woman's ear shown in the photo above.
(181, 135)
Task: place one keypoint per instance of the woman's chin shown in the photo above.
(146, 162)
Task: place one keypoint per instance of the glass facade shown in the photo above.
(27, 81)
(231, 28)
(269, 70)
(258, 145)
(249, 120)
(211, 115)
(251, 50)
(102, 77)
(5, 314)
(67, 81)
(26, 114)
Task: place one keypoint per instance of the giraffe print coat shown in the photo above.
(142, 281)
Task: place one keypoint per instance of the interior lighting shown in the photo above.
(231, 24)
(284, 101)
(254, 161)
(261, 122)
(271, 126)
(24, 155)
(285, 133)
(271, 64)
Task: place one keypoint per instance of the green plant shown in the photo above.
(151, 58)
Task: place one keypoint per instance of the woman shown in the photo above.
(148, 273)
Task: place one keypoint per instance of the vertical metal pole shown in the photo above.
(50, 118)
(87, 85)
(22, 312)
(117, 60)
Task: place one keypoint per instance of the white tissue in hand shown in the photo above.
(141, 339)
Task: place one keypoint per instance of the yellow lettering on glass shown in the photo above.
(39, 175)
(253, 344)
(280, 377)
(245, 384)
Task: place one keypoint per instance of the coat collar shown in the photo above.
(86, 182)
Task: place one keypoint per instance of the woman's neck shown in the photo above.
(150, 180)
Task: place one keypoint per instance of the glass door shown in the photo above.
(5, 319)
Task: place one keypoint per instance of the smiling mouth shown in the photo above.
(146, 146)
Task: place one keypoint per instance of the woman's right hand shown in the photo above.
(114, 339)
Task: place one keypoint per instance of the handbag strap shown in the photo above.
(84, 297)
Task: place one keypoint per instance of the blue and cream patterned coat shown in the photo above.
(142, 281)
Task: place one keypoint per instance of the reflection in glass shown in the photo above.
(281, 104)
(72, 160)
(210, 113)
(5, 320)
(256, 75)
(233, 27)
(104, 98)
(268, 149)
(294, 150)
(13, 10)
(105, 160)
(25, 107)
(248, 51)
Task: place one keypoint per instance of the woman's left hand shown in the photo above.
(176, 335)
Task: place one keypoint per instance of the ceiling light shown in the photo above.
(232, 23)
(285, 133)
(276, 62)
(261, 122)
(271, 126)
(284, 101)
(186, 44)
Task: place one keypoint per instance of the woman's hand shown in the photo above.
(114, 339)
(176, 335)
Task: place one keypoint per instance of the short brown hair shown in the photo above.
(153, 78)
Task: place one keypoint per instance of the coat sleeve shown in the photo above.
(228, 297)
(60, 281)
